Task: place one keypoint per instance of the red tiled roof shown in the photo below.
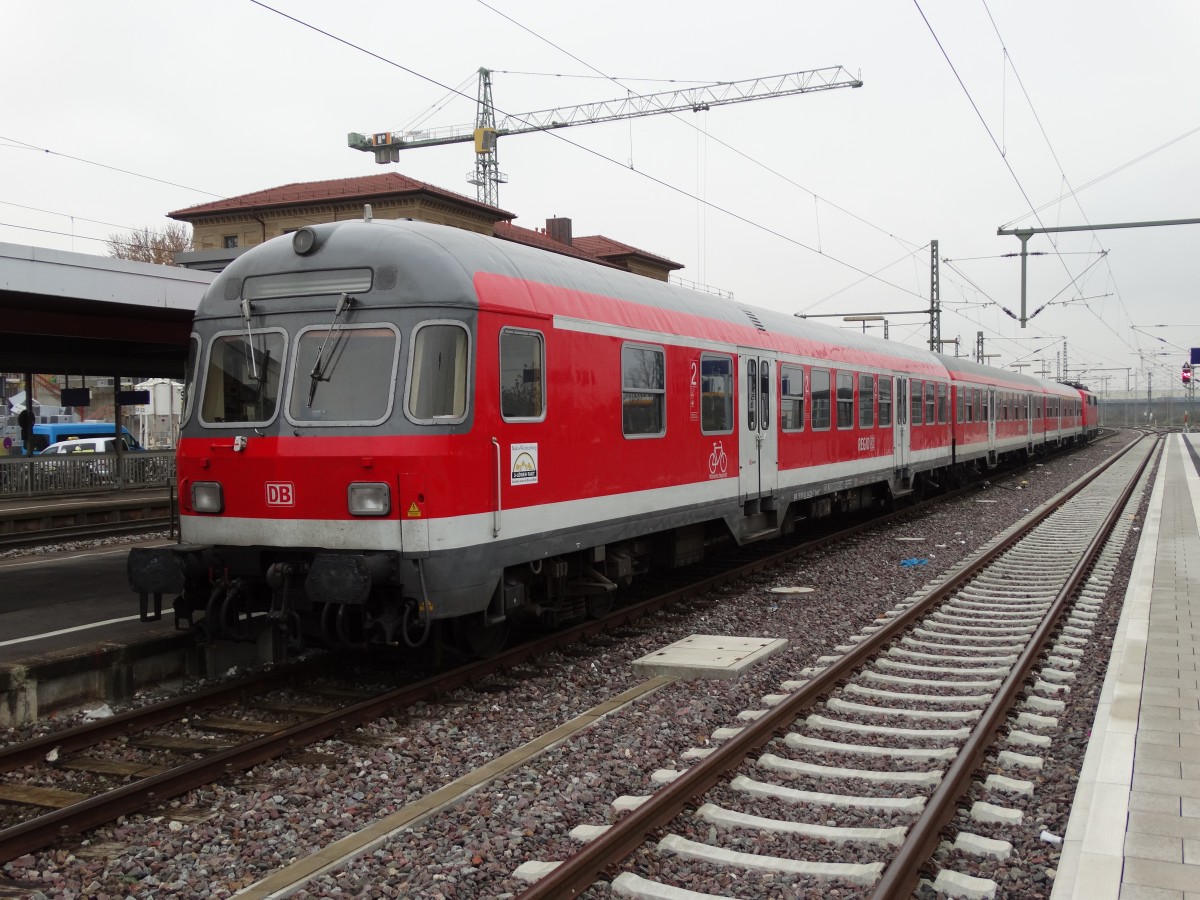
(509, 232)
(307, 192)
(601, 247)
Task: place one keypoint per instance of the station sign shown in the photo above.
(1195, 356)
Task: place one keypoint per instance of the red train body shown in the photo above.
(394, 423)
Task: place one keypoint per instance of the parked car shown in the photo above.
(89, 445)
(94, 469)
(48, 435)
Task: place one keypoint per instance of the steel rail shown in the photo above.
(575, 875)
(40, 831)
(132, 721)
(900, 877)
(42, 536)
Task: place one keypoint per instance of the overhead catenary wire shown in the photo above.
(557, 135)
(1054, 155)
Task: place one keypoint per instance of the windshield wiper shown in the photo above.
(318, 372)
(246, 313)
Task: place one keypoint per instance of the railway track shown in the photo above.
(52, 520)
(899, 724)
(84, 748)
(49, 536)
(153, 786)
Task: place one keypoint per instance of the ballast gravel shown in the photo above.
(219, 839)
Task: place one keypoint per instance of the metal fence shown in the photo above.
(71, 473)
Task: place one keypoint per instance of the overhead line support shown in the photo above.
(1024, 234)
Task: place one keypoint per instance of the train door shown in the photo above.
(759, 463)
(1029, 414)
(991, 420)
(900, 432)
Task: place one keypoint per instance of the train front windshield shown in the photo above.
(242, 382)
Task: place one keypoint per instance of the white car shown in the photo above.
(86, 445)
(94, 470)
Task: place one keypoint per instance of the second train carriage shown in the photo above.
(393, 423)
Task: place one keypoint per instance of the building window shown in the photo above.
(229, 241)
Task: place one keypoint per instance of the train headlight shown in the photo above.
(369, 498)
(304, 241)
(207, 497)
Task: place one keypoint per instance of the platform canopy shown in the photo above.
(78, 314)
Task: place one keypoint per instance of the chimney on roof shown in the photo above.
(559, 230)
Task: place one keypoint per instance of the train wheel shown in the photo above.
(474, 635)
(599, 605)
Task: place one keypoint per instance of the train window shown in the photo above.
(522, 382)
(241, 384)
(943, 408)
(820, 399)
(970, 410)
(338, 377)
(915, 390)
(845, 400)
(930, 403)
(961, 404)
(716, 394)
(791, 398)
(437, 373)
(885, 401)
(752, 394)
(191, 377)
(764, 394)
(866, 401)
(643, 391)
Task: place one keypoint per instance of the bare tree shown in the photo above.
(152, 245)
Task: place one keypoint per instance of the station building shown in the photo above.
(225, 228)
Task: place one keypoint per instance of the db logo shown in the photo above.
(281, 493)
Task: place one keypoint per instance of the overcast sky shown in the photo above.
(972, 114)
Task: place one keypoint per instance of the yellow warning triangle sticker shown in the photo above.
(414, 511)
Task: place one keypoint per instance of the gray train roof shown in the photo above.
(1013, 380)
(436, 265)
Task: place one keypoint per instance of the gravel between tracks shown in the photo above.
(286, 810)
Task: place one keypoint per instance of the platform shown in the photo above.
(1134, 830)
(31, 517)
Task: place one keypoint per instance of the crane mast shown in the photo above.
(386, 145)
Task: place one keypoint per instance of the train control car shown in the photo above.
(390, 425)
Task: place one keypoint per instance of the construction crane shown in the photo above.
(487, 176)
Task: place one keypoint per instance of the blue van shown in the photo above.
(45, 435)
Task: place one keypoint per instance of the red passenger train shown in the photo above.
(392, 423)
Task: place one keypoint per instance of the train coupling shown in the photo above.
(348, 577)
